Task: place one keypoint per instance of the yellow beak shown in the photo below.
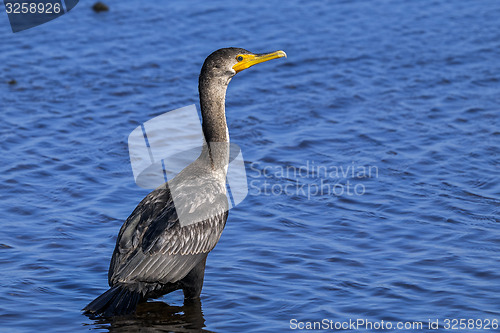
(248, 60)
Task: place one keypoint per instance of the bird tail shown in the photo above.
(119, 300)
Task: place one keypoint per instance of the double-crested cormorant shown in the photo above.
(158, 252)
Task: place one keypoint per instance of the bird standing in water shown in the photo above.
(157, 251)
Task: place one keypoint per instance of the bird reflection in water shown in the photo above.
(157, 316)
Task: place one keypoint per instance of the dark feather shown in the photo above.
(119, 300)
(153, 246)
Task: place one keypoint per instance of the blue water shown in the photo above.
(408, 90)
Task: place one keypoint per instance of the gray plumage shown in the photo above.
(157, 252)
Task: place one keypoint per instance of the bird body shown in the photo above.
(163, 245)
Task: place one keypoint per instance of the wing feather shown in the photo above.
(152, 246)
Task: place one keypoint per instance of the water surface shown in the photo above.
(408, 89)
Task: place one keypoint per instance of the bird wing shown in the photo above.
(153, 246)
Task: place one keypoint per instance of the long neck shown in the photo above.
(213, 112)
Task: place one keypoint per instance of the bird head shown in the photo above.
(225, 63)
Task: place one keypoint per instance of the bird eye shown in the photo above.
(239, 58)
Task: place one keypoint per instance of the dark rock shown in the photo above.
(100, 7)
(12, 82)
